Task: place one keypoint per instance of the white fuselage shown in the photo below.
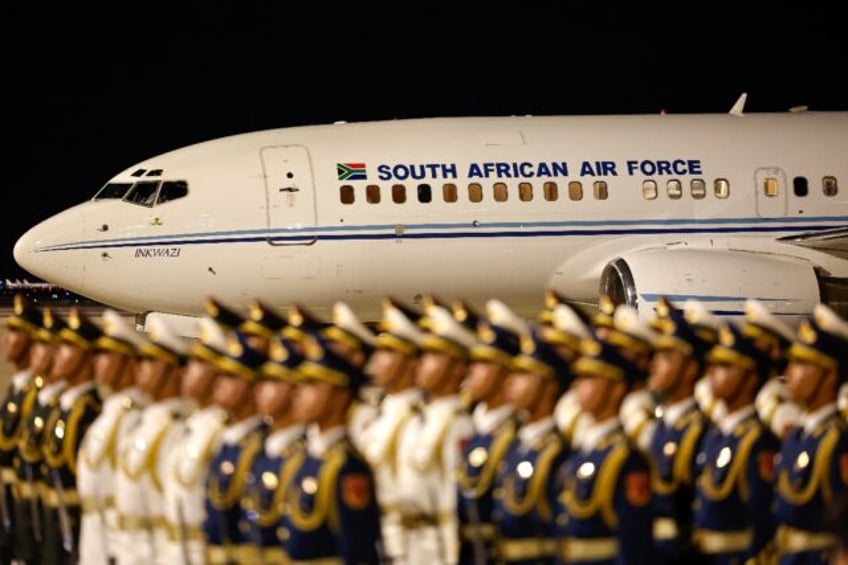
(267, 216)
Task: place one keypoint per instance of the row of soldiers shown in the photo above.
(443, 435)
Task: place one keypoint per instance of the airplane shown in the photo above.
(717, 207)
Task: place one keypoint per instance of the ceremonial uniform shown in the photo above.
(142, 533)
(430, 449)
(17, 405)
(331, 513)
(101, 444)
(28, 461)
(603, 506)
(812, 468)
(184, 481)
(499, 341)
(679, 357)
(227, 533)
(64, 430)
(733, 519)
(228, 536)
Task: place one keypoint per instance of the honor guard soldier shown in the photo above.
(331, 513)
(79, 405)
(774, 406)
(392, 367)
(603, 512)
(355, 341)
(142, 535)
(227, 534)
(431, 444)
(564, 325)
(499, 341)
(20, 398)
(678, 362)
(634, 338)
(184, 482)
(114, 373)
(274, 466)
(526, 482)
(29, 459)
(734, 491)
(812, 469)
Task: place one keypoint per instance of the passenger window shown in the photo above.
(698, 188)
(143, 193)
(674, 189)
(475, 192)
(800, 187)
(449, 192)
(575, 190)
(829, 186)
(398, 193)
(425, 194)
(500, 192)
(372, 194)
(525, 191)
(721, 187)
(346, 194)
(599, 187)
(771, 188)
(649, 189)
(551, 191)
(172, 190)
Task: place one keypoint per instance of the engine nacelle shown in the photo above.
(722, 279)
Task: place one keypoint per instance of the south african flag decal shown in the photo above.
(351, 171)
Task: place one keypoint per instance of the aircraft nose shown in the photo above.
(47, 251)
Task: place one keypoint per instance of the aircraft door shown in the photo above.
(771, 192)
(290, 194)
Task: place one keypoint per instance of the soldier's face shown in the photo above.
(522, 390)
(311, 400)
(384, 366)
(108, 365)
(231, 393)
(197, 380)
(274, 398)
(68, 360)
(803, 380)
(41, 357)
(724, 379)
(597, 394)
(15, 345)
(148, 374)
(666, 368)
(483, 379)
(431, 370)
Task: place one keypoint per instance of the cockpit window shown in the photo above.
(113, 190)
(172, 190)
(143, 192)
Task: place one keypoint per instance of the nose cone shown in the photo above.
(52, 250)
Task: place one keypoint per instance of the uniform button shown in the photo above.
(283, 534)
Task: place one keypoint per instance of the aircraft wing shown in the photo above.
(833, 242)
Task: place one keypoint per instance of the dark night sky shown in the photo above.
(87, 91)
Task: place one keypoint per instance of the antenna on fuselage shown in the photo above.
(739, 106)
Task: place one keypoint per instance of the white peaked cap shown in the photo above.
(830, 321)
(212, 334)
(626, 320)
(163, 342)
(344, 318)
(565, 319)
(398, 324)
(697, 314)
(116, 326)
(442, 324)
(757, 313)
(499, 314)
